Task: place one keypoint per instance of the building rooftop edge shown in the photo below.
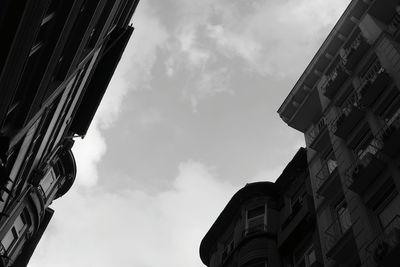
(319, 52)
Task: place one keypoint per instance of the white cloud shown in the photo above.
(88, 153)
(134, 228)
(133, 73)
(189, 46)
(276, 37)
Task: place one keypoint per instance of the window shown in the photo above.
(15, 232)
(256, 219)
(48, 180)
(256, 212)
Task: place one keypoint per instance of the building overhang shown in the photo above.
(302, 106)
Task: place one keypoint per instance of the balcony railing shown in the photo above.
(366, 167)
(316, 130)
(375, 81)
(336, 231)
(384, 243)
(349, 115)
(335, 79)
(394, 25)
(390, 135)
(327, 170)
(355, 52)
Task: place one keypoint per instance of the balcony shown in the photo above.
(366, 168)
(385, 247)
(318, 135)
(335, 79)
(327, 179)
(297, 224)
(349, 117)
(394, 25)
(373, 87)
(355, 52)
(390, 137)
(339, 240)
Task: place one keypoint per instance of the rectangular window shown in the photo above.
(256, 212)
(48, 180)
(256, 219)
(14, 233)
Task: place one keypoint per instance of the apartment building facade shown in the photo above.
(56, 60)
(267, 224)
(347, 104)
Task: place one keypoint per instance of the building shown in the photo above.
(56, 60)
(267, 224)
(347, 104)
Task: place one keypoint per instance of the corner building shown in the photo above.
(347, 104)
(267, 224)
(56, 60)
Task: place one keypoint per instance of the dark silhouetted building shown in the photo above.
(347, 104)
(267, 224)
(56, 60)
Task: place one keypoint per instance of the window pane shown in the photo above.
(19, 224)
(255, 212)
(8, 239)
(47, 181)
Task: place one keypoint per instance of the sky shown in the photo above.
(188, 119)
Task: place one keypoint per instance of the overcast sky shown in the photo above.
(188, 119)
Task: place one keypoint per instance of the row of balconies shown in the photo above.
(370, 164)
(350, 57)
(352, 111)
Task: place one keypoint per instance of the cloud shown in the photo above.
(88, 153)
(133, 73)
(207, 85)
(266, 37)
(276, 37)
(134, 228)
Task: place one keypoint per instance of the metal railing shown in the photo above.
(351, 50)
(337, 230)
(394, 25)
(331, 77)
(316, 130)
(390, 125)
(328, 167)
(353, 101)
(364, 157)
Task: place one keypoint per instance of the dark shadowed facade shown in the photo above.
(56, 60)
(347, 104)
(267, 224)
